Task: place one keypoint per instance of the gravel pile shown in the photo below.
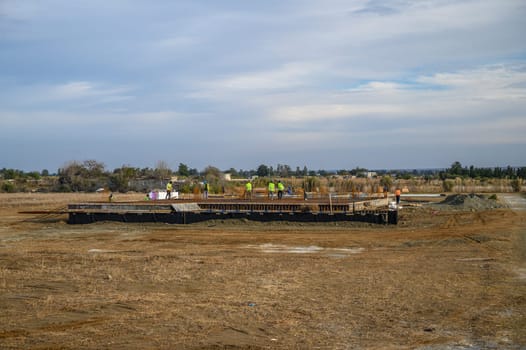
(472, 201)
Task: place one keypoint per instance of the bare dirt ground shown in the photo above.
(441, 279)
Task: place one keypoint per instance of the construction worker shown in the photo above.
(281, 188)
(248, 190)
(169, 188)
(271, 189)
(205, 189)
(397, 195)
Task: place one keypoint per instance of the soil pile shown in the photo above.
(472, 201)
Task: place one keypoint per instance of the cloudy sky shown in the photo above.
(330, 84)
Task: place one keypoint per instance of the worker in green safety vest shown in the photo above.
(248, 190)
(271, 189)
(169, 188)
(281, 188)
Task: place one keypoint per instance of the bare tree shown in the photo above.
(162, 170)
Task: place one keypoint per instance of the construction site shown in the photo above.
(323, 272)
(192, 211)
(263, 206)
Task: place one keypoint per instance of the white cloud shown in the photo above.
(337, 72)
(135, 124)
(379, 87)
(492, 83)
(289, 75)
(88, 90)
(484, 105)
(74, 94)
(323, 112)
(359, 21)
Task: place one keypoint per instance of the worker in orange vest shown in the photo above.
(397, 194)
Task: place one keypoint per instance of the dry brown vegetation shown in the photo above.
(441, 279)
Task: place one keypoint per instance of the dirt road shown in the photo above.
(515, 201)
(441, 279)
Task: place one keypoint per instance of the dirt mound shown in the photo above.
(472, 201)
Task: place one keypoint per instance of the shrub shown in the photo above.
(516, 184)
(386, 181)
(8, 187)
(448, 185)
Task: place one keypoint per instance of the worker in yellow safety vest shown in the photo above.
(281, 188)
(271, 190)
(248, 190)
(169, 188)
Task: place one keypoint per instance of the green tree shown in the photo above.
(8, 187)
(233, 172)
(120, 179)
(94, 168)
(86, 176)
(34, 175)
(71, 177)
(183, 170)
(212, 174)
(283, 170)
(214, 178)
(147, 173)
(456, 169)
(263, 170)
(386, 181)
(358, 172)
(11, 174)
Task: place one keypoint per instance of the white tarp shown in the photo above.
(159, 195)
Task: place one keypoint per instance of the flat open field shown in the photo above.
(446, 277)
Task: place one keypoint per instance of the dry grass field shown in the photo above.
(444, 278)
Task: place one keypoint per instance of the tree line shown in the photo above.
(457, 170)
(91, 175)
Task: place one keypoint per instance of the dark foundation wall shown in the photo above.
(383, 217)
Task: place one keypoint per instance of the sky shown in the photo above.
(331, 84)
